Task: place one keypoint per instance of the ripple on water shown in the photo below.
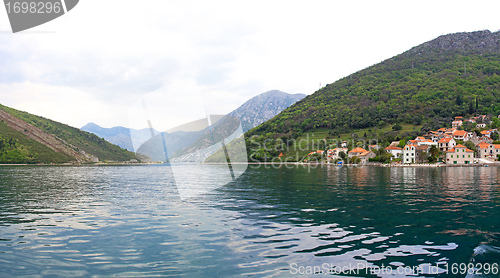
(120, 221)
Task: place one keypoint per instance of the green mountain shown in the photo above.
(426, 86)
(26, 138)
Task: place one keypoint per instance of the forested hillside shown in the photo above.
(26, 138)
(453, 75)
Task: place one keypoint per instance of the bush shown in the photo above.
(397, 127)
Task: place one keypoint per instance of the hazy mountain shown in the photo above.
(162, 145)
(252, 113)
(120, 135)
(263, 107)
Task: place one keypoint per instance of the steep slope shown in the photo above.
(250, 114)
(263, 107)
(453, 75)
(181, 143)
(26, 138)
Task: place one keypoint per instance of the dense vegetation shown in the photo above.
(34, 152)
(453, 75)
(15, 147)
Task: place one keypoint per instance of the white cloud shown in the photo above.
(106, 54)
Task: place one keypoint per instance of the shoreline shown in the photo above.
(85, 164)
(495, 164)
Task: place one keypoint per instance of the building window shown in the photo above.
(454, 162)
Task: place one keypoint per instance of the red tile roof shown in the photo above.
(445, 140)
(483, 145)
(394, 148)
(357, 150)
(460, 133)
(460, 146)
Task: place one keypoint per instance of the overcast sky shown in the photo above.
(100, 61)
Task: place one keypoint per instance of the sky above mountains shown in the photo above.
(180, 60)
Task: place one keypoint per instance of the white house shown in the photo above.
(456, 123)
(427, 142)
(409, 154)
(333, 154)
(446, 144)
(460, 135)
(395, 151)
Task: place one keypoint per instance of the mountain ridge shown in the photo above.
(451, 75)
(263, 107)
(251, 113)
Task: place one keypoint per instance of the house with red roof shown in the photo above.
(334, 154)
(456, 123)
(446, 144)
(395, 151)
(485, 139)
(365, 156)
(460, 135)
(460, 155)
(487, 150)
(486, 133)
(427, 142)
(356, 152)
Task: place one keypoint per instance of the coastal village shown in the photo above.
(452, 146)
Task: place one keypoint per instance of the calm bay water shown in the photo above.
(129, 221)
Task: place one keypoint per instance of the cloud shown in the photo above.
(108, 54)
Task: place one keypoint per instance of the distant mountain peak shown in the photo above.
(263, 107)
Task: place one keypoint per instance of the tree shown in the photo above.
(397, 127)
(459, 100)
(434, 151)
(494, 136)
(470, 145)
(495, 122)
(402, 143)
(478, 132)
(342, 155)
(355, 160)
(471, 108)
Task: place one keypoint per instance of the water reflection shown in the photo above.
(130, 221)
(374, 215)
